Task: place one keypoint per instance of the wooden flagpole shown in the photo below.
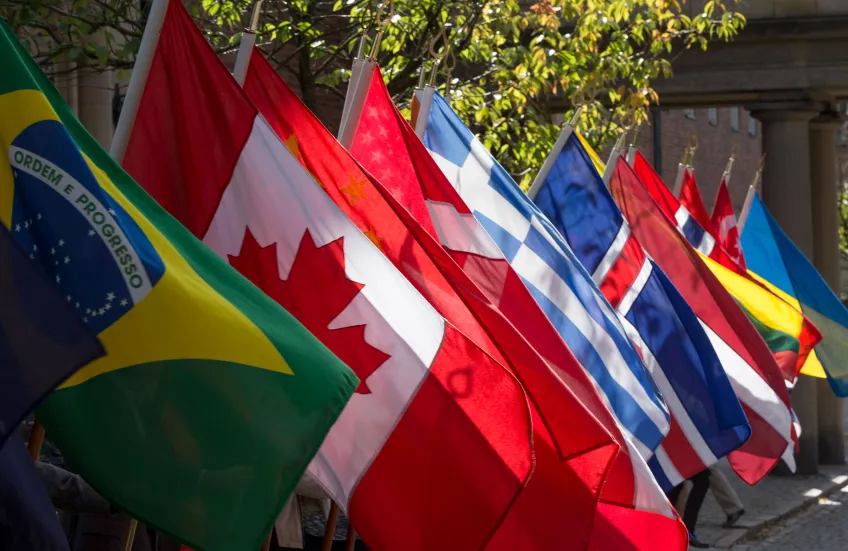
(267, 545)
(36, 439)
(129, 535)
(350, 542)
(330, 528)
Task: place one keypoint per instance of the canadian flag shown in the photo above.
(438, 436)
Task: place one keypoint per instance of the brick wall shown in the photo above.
(716, 136)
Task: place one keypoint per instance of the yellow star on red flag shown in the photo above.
(354, 190)
(371, 234)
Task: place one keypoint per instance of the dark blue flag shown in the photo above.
(42, 342)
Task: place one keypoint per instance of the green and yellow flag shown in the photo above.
(212, 399)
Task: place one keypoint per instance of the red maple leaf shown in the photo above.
(316, 291)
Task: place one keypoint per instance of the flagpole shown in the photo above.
(632, 149)
(138, 78)
(330, 527)
(749, 199)
(681, 170)
(358, 91)
(248, 41)
(728, 170)
(425, 103)
(743, 214)
(36, 439)
(617, 150)
(567, 131)
(355, 71)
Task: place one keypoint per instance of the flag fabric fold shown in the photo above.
(748, 362)
(572, 455)
(707, 420)
(554, 276)
(468, 183)
(723, 222)
(212, 395)
(436, 427)
(771, 254)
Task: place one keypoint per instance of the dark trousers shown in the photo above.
(700, 486)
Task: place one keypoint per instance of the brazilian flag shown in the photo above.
(212, 399)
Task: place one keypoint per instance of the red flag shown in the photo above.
(438, 428)
(389, 148)
(690, 197)
(745, 357)
(723, 222)
(571, 458)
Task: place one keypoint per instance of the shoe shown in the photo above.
(695, 543)
(733, 519)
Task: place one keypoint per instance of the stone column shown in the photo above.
(823, 180)
(96, 89)
(786, 193)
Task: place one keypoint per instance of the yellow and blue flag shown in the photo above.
(771, 254)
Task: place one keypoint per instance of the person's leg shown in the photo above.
(680, 503)
(726, 496)
(700, 485)
(674, 494)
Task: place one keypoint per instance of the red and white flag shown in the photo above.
(723, 222)
(573, 450)
(632, 512)
(437, 441)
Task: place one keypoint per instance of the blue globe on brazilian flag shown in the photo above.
(212, 399)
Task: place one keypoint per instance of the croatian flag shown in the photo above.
(554, 276)
(707, 421)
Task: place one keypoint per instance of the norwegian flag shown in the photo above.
(707, 421)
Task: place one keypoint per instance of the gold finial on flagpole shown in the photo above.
(254, 19)
(381, 25)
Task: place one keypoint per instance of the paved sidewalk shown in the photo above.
(772, 500)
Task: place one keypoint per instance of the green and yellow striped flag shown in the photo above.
(212, 399)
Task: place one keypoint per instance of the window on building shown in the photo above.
(752, 126)
(712, 116)
(734, 119)
(689, 113)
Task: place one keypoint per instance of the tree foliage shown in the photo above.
(514, 68)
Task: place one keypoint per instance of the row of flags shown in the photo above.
(388, 313)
